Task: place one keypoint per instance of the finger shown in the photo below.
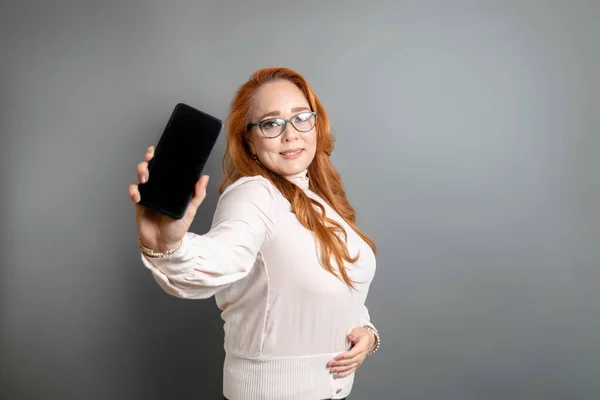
(346, 362)
(149, 153)
(349, 357)
(345, 367)
(199, 193)
(134, 193)
(343, 359)
(346, 373)
(142, 172)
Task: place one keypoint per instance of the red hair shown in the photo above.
(324, 179)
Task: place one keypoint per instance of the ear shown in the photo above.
(250, 145)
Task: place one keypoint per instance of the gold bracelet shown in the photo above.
(156, 254)
(377, 339)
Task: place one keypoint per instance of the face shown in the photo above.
(291, 152)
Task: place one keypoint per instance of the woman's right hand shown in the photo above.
(156, 230)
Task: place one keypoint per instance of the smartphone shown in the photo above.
(179, 159)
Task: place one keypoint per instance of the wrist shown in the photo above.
(376, 339)
(373, 341)
(167, 247)
(160, 250)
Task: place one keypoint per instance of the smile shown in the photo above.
(292, 153)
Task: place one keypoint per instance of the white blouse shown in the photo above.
(285, 316)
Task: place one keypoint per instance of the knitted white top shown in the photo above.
(285, 316)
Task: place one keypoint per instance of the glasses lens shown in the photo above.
(304, 122)
(272, 127)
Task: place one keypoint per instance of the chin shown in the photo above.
(292, 169)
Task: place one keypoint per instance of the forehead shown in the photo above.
(280, 96)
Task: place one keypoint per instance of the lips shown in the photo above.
(291, 153)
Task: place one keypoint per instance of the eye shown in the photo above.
(270, 124)
(302, 117)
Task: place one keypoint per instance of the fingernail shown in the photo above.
(143, 178)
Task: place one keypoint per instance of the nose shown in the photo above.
(289, 134)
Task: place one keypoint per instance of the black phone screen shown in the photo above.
(179, 158)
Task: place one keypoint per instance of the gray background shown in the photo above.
(467, 141)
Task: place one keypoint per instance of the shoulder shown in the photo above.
(255, 189)
(250, 199)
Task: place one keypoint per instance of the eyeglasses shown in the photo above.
(273, 127)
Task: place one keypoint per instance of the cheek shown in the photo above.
(259, 144)
(266, 146)
(312, 142)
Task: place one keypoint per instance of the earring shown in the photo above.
(255, 157)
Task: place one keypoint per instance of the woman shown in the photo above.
(296, 325)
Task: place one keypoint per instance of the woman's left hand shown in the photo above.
(346, 363)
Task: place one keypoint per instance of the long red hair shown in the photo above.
(324, 179)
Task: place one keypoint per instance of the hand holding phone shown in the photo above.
(171, 186)
(155, 229)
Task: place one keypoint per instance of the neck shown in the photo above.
(300, 179)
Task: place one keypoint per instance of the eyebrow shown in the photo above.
(277, 113)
